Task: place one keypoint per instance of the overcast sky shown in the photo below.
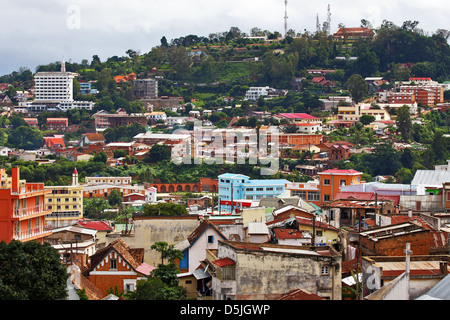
(40, 32)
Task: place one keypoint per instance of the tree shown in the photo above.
(357, 87)
(94, 207)
(25, 137)
(158, 153)
(115, 198)
(31, 271)
(404, 123)
(162, 284)
(366, 119)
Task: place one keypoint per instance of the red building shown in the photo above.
(59, 124)
(205, 184)
(22, 214)
(117, 265)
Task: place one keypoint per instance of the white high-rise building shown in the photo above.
(54, 92)
(54, 86)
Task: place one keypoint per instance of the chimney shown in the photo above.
(15, 178)
(443, 267)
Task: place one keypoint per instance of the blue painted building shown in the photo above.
(86, 88)
(233, 187)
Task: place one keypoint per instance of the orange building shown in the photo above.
(330, 182)
(23, 210)
(300, 139)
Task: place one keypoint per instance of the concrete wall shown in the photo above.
(148, 230)
(421, 203)
(267, 275)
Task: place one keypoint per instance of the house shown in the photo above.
(390, 240)
(205, 236)
(125, 78)
(387, 275)
(298, 294)
(291, 217)
(74, 244)
(264, 271)
(323, 82)
(170, 229)
(54, 143)
(117, 265)
(102, 229)
(258, 232)
(353, 34)
(91, 138)
(196, 283)
(291, 237)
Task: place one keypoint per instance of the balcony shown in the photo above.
(30, 234)
(26, 212)
(29, 188)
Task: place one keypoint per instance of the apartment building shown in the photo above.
(118, 181)
(65, 203)
(145, 88)
(333, 179)
(426, 94)
(324, 189)
(104, 120)
(233, 187)
(23, 211)
(59, 124)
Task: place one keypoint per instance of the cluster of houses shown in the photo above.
(277, 240)
(333, 237)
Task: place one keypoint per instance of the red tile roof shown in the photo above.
(287, 233)
(340, 171)
(297, 116)
(299, 294)
(224, 262)
(341, 195)
(96, 225)
(52, 141)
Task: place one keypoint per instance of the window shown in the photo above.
(259, 189)
(269, 189)
(210, 239)
(113, 263)
(326, 182)
(325, 270)
(342, 182)
(313, 196)
(326, 197)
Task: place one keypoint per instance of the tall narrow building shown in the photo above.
(23, 211)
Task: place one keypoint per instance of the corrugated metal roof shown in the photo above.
(430, 178)
(257, 228)
(441, 291)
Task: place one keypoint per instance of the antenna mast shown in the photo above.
(317, 24)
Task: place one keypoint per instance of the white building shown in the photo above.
(54, 92)
(254, 93)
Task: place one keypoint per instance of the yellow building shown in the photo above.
(6, 181)
(66, 203)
